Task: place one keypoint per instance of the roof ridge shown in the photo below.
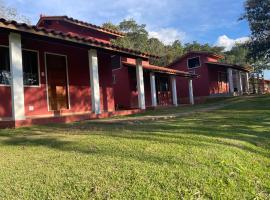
(71, 36)
(83, 23)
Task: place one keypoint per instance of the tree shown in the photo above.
(110, 26)
(257, 13)
(237, 55)
(136, 37)
(195, 46)
(11, 13)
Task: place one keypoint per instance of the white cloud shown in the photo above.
(228, 43)
(168, 35)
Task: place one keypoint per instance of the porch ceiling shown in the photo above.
(53, 34)
(225, 65)
(164, 70)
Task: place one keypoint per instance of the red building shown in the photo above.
(64, 70)
(266, 86)
(215, 78)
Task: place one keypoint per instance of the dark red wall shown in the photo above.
(67, 27)
(79, 80)
(105, 80)
(122, 90)
(200, 85)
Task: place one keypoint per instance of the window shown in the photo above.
(30, 68)
(5, 75)
(194, 62)
(164, 84)
(116, 62)
(114, 79)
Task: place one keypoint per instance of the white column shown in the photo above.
(94, 80)
(240, 88)
(247, 83)
(140, 83)
(174, 91)
(190, 87)
(230, 80)
(16, 69)
(153, 89)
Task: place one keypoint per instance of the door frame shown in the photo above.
(46, 75)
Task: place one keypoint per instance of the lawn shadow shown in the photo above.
(232, 123)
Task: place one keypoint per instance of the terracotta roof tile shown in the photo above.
(13, 25)
(79, 22)
(163, 69)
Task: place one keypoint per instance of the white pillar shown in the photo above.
(153, 89)
(240, 87)
(140, 83)
(174, 91)
(247, 83)
(230, 80)
(94, 80)
(16, 69)
(190, 87)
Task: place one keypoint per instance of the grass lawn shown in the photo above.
(222, 154)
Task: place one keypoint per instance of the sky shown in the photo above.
(206, 21)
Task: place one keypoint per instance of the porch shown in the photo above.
(50, 77)
(227, 80)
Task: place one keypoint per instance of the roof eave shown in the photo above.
(24, 28)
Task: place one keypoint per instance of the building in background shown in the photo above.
(215, 78)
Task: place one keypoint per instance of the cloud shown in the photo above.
(228, 43)
(168, 35)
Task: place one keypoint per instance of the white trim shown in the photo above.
(140, 83)
(153, 89)
(191, 95)
(94, 80)
(46, 75)
(240, 82)
(16, 70)
(174, 90)
(247, 82)
(39, 78)
(193, 58)
(230, 80)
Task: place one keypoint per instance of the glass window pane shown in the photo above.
(5, 75)
(30, 68)
(194, 62)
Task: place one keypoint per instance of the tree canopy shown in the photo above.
(257, 13)
(137, 37)
(11, 13)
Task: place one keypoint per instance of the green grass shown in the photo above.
(222, 154)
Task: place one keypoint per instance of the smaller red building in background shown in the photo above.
(267, 86)
(215, 78)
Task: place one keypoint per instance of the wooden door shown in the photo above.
(57, 82)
